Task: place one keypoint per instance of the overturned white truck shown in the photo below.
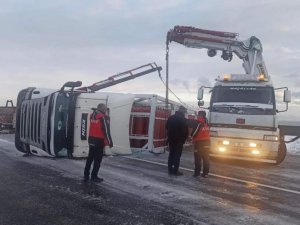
(56, 122)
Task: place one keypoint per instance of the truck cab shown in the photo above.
(242, 109)
(243, 119)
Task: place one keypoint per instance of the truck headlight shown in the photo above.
(270, 138)
(252, 144)
(222, 149)
(225, 142)
(255, 152)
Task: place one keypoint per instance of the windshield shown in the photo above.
(60, 124)
(64, 117)
(243, 100)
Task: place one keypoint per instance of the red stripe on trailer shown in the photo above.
(140, 125)
(160, 128)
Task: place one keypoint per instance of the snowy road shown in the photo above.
(138, 190)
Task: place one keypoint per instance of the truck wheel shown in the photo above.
(281, 153)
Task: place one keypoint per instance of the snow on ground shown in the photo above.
(294, 147)
(211, 201)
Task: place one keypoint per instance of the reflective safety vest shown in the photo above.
(96, 125)
(201, 133)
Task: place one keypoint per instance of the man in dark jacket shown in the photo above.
(177, 131)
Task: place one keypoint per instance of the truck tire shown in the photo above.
(281, 153)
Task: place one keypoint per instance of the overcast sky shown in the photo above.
(46, 43)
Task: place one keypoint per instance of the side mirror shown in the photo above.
(200, 103)
(200, 94)
(287, 96)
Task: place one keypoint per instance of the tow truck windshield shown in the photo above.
(243, 100)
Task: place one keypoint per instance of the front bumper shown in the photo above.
(245, 149)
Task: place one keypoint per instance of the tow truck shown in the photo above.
(55, 122)
(242, 109)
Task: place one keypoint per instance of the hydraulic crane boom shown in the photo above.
(122, 77)
(250, 50)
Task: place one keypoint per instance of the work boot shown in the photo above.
(96, 179)
(171, 172)
(205, 175)
(196, 174)
(178, 173)
(86, 178)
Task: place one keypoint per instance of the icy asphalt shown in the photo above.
(138, 190)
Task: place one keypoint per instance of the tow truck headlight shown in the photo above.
(252, 144)
(255, 152)
(270, 138)
(222, 149)
(261, 77)
(226, 77)
(225, 142)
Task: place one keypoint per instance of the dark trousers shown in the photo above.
(175, 151)
(96, 148)
(201, 153)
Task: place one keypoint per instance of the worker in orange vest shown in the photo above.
(201, 140)
(99, 136)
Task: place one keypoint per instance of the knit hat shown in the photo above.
(182, 109)
(101, 107)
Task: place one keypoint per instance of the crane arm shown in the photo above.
(250, 50)
(122, 77)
